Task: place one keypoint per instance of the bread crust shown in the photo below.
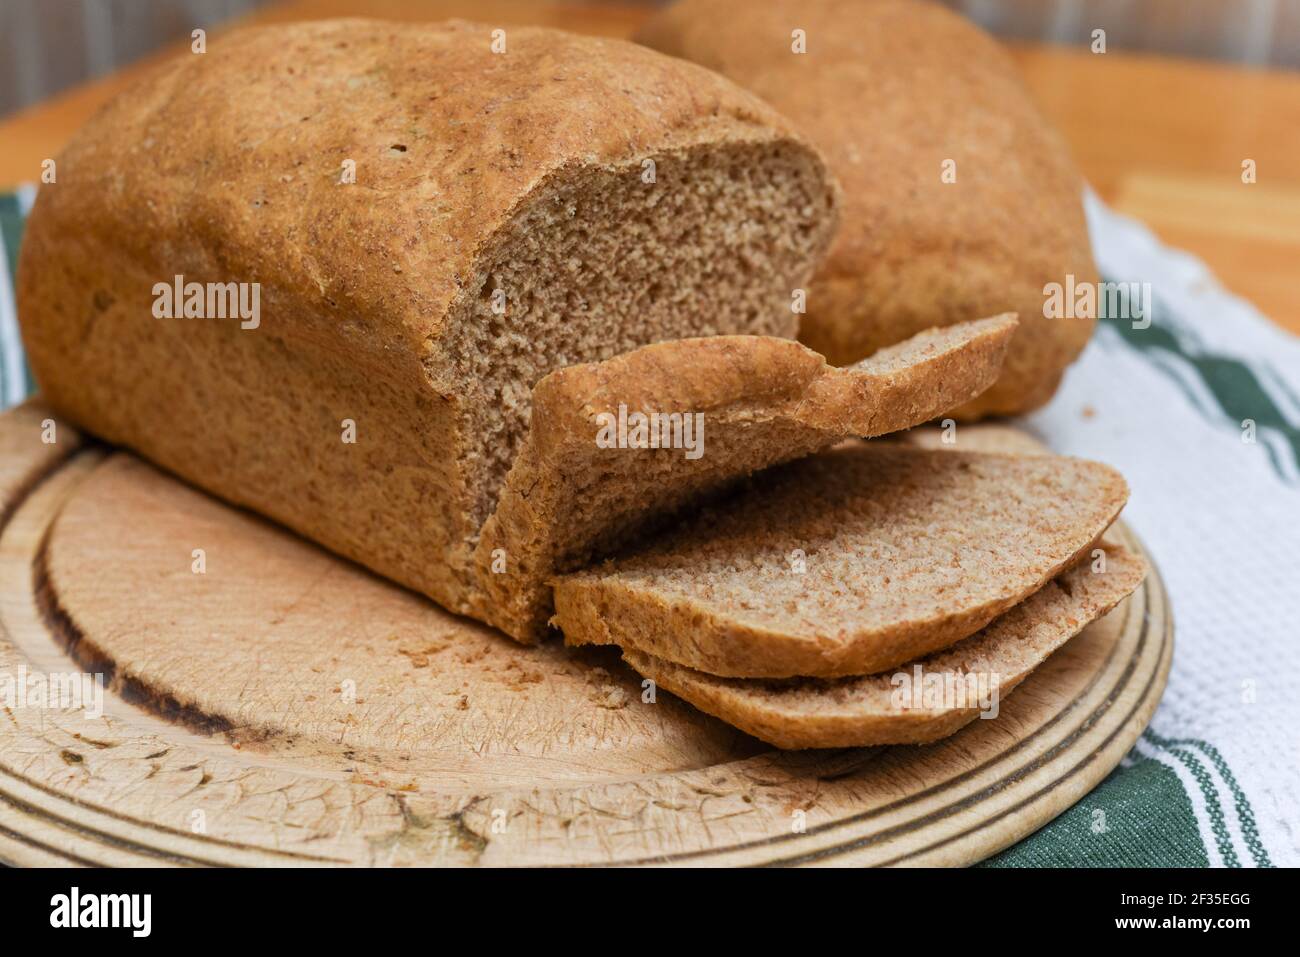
(226, 166)
(891, 90)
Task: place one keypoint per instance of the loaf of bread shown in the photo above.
(435, 217)
(959, 200)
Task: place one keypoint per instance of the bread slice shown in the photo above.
(891, 708)
(753, 401)
(848, 562)
(959, 200)
(432, 225)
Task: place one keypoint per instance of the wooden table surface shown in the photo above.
(1160, 139)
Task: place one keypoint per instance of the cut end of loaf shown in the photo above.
(599, 261)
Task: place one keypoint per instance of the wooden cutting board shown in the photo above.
(283, 706)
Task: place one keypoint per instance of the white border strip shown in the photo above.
(11, 343)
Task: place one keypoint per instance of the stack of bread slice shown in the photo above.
(789, 610)
(803, 596)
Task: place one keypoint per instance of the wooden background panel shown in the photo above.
(1163, 140)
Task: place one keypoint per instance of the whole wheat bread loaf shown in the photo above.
(892, 708)
(848, 562)
(560, 200)
(959, 199)
(750, 401)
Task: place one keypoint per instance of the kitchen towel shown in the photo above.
(1195, 397)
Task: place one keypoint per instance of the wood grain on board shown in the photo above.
(287, 707)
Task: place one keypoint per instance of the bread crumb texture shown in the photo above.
(849, 562)
(865, 710)
(759, 401)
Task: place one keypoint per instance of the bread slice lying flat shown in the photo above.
(846, 563)
(867, 710)
(760, 400)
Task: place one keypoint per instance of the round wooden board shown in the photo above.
(287, 707)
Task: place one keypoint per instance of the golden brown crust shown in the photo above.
(890, 90)
(236, 153)
(226, 166)
(762, 400)
(861, 711)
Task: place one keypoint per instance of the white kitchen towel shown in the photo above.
(1200, 411)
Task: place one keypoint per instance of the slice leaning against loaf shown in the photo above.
(751, 402)
(846, 563)
(867, 710)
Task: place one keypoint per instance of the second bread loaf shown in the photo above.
(959, 200)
